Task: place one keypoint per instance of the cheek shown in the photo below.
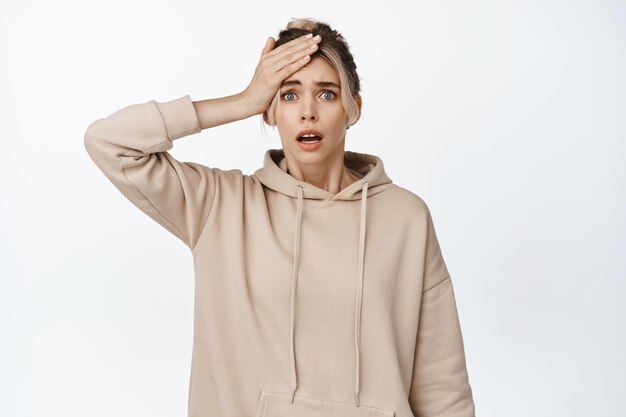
(283, 119)
(335, 116)
(282, 114)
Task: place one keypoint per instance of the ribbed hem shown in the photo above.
(180, 117)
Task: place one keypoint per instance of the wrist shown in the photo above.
(251, 107)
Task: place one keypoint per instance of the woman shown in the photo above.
(350, 312)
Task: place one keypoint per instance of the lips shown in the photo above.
(309, 132)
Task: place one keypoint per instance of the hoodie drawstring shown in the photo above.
(359, 292)
(296, 263)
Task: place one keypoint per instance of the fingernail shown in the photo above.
(317, 37)
(309, 35)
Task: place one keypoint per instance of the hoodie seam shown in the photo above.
(183, 134)
(174, 135)
(331, 402)
(437, 284)
(212, 172)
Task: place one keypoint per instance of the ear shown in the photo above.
(359, 102)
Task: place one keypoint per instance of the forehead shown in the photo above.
(318, 69)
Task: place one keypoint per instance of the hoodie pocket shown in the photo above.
(276, 404)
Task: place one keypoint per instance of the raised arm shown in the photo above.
(130, 147)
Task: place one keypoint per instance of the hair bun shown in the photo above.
(302, 23)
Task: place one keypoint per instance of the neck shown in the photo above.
(330, 175)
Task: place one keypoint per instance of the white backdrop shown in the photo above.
(507, 118)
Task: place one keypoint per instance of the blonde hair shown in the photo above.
(334, 49)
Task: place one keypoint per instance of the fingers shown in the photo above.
(297, 58)
(288, 58)
(290, 47)
(269, 45)
(292, 67)
(287, 45)
(297, 51)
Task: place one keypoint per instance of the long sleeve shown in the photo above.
(440, 385)
(130, 148)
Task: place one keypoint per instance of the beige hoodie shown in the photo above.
(307, 303)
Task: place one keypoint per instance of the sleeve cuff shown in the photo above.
(179, 116)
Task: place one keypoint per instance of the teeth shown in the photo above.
(304, 138)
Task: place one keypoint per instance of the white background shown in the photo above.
(507, 118)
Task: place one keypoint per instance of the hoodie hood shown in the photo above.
(373, 180)
(274, 175)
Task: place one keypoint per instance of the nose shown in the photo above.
(308, 111)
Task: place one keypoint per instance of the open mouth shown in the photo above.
(311, 139)
(309, 136)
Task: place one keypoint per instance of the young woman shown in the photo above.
(321, 289)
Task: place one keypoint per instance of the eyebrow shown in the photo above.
(317, 83)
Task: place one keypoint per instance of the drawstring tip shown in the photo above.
(356, 399)
(292, 394)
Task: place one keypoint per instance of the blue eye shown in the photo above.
(328, 91)
(288, 92)
(323, 92)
